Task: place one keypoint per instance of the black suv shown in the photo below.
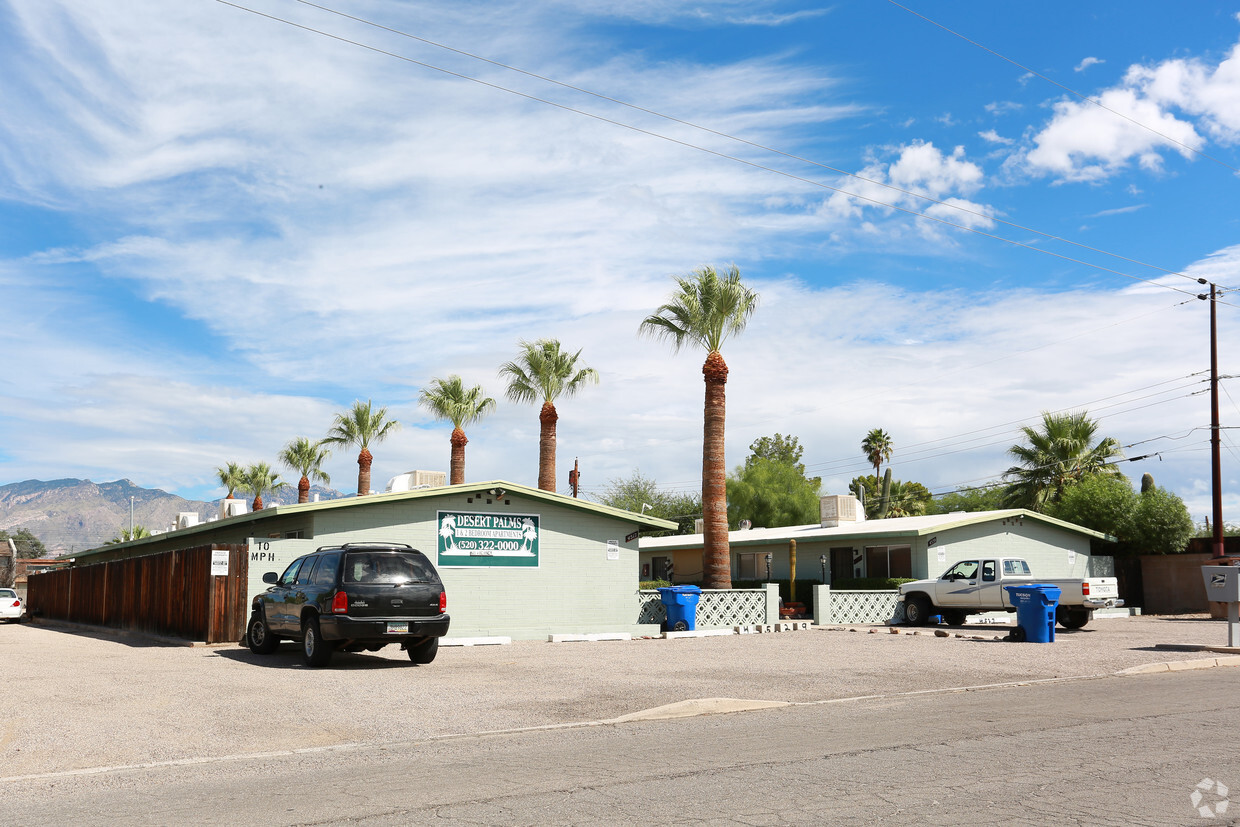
(358, 596)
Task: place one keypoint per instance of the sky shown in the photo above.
(222, 223)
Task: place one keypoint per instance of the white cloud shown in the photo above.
(992, 137)
(1176, 99)
(1086, 63)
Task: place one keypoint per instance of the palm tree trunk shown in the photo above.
(257, 505)
(458, 457)
(547, 418)
(364, 459)
(303, 490)
(716, 554)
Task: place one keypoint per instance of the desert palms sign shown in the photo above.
(475, 539)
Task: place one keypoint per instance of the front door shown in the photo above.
(960, 585)
(841, 565)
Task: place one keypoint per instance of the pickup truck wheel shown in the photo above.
(955, 617)
(425, 651)
(916, 609)
(315, 651)
(1071, 617)
(258, 637)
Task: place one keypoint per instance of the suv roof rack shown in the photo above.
(376, 545)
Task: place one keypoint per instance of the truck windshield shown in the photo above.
(387, 567)
(965, 568)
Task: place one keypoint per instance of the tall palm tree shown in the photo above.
(306, 458)
(704, 309)
(259, 478)
(230, 476)
(877, 449)
(542, 372)
(360, 426)
(449, 399)
(1061, 453)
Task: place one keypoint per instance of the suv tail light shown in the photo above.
(443, 601)
(1085, 588)
(340, 603)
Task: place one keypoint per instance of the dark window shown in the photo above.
(290, 574)
(325, 574)
(306, 572)
(988, 569)
(388, 567)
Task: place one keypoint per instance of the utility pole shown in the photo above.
(1216, 469)
(574, 478)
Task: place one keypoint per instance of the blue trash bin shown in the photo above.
(680, 603)
(1035, 611)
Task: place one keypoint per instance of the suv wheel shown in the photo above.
(259, 637)
(315, 650)
(424, 651)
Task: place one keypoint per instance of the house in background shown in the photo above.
(847, 546)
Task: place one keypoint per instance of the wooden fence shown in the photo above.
(172, 593)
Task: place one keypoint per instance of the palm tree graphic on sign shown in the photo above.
(447, 531)
(528, 535)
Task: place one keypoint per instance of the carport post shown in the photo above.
(772, 602)
(822, 605)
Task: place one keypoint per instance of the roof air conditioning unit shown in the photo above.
(699, 526)
(835, 509)
(746, 525)
(185, 519)
(413, 480)
(231, 508)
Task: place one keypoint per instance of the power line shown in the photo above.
(752, 164)
(1067, 89)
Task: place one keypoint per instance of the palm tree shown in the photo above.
(877, 448)
(306, 458)
(1062, 453)
(542, 372)
(259, 478)
(360, 426)
(704, 309)
(448, 399)
(231, 477)
(138, 532)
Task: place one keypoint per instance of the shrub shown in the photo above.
(872, 584)
(652, 584)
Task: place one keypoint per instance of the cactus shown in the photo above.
(1147, 483)
(884, 503)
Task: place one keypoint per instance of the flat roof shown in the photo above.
(892, 527)
(276, 511)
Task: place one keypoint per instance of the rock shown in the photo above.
(941, 633)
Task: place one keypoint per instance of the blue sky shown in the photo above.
(217, 229)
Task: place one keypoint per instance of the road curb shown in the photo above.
(1181, 665)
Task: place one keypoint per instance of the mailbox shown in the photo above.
(1222, 583)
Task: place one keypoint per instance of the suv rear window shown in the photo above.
(388, 567)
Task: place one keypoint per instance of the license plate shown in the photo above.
(398, 628)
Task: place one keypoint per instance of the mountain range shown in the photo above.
(72, 515)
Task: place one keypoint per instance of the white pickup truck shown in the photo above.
(973, 586)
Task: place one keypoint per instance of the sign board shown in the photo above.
(942, 554)
(470, 538)
(613, 549)
(219, 562)
(628, 538)
(1071, 559)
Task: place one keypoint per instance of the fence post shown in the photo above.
(822, 605)
(772, 603)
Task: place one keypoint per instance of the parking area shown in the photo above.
(76, 700)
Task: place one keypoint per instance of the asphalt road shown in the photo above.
(1115, 750)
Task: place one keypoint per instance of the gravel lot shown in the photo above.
(78, 700)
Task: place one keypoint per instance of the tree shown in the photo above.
(904, 499)
(231, 477)
(306, 458)
(967, 499)
(449, 399)
(28, 545)
(362, 425)
(1061, 454)
(1154, 521)
(126, 535)
(877, 449)
(771, 494)
(641, 495)
(259, 478)
(704, 310)
(542, 372)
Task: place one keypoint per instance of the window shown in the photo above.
(290, 574)
(388, 567)
(307, 570)
(988, 570)
(325, 574)
(1018, 568)
(964, 570)
(888, 561)
(750, 566)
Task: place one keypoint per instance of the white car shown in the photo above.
(11, 606)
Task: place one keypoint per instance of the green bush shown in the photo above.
(653, 584)
(872, 584)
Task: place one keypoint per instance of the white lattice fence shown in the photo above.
(717, 608)
(865, 607)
